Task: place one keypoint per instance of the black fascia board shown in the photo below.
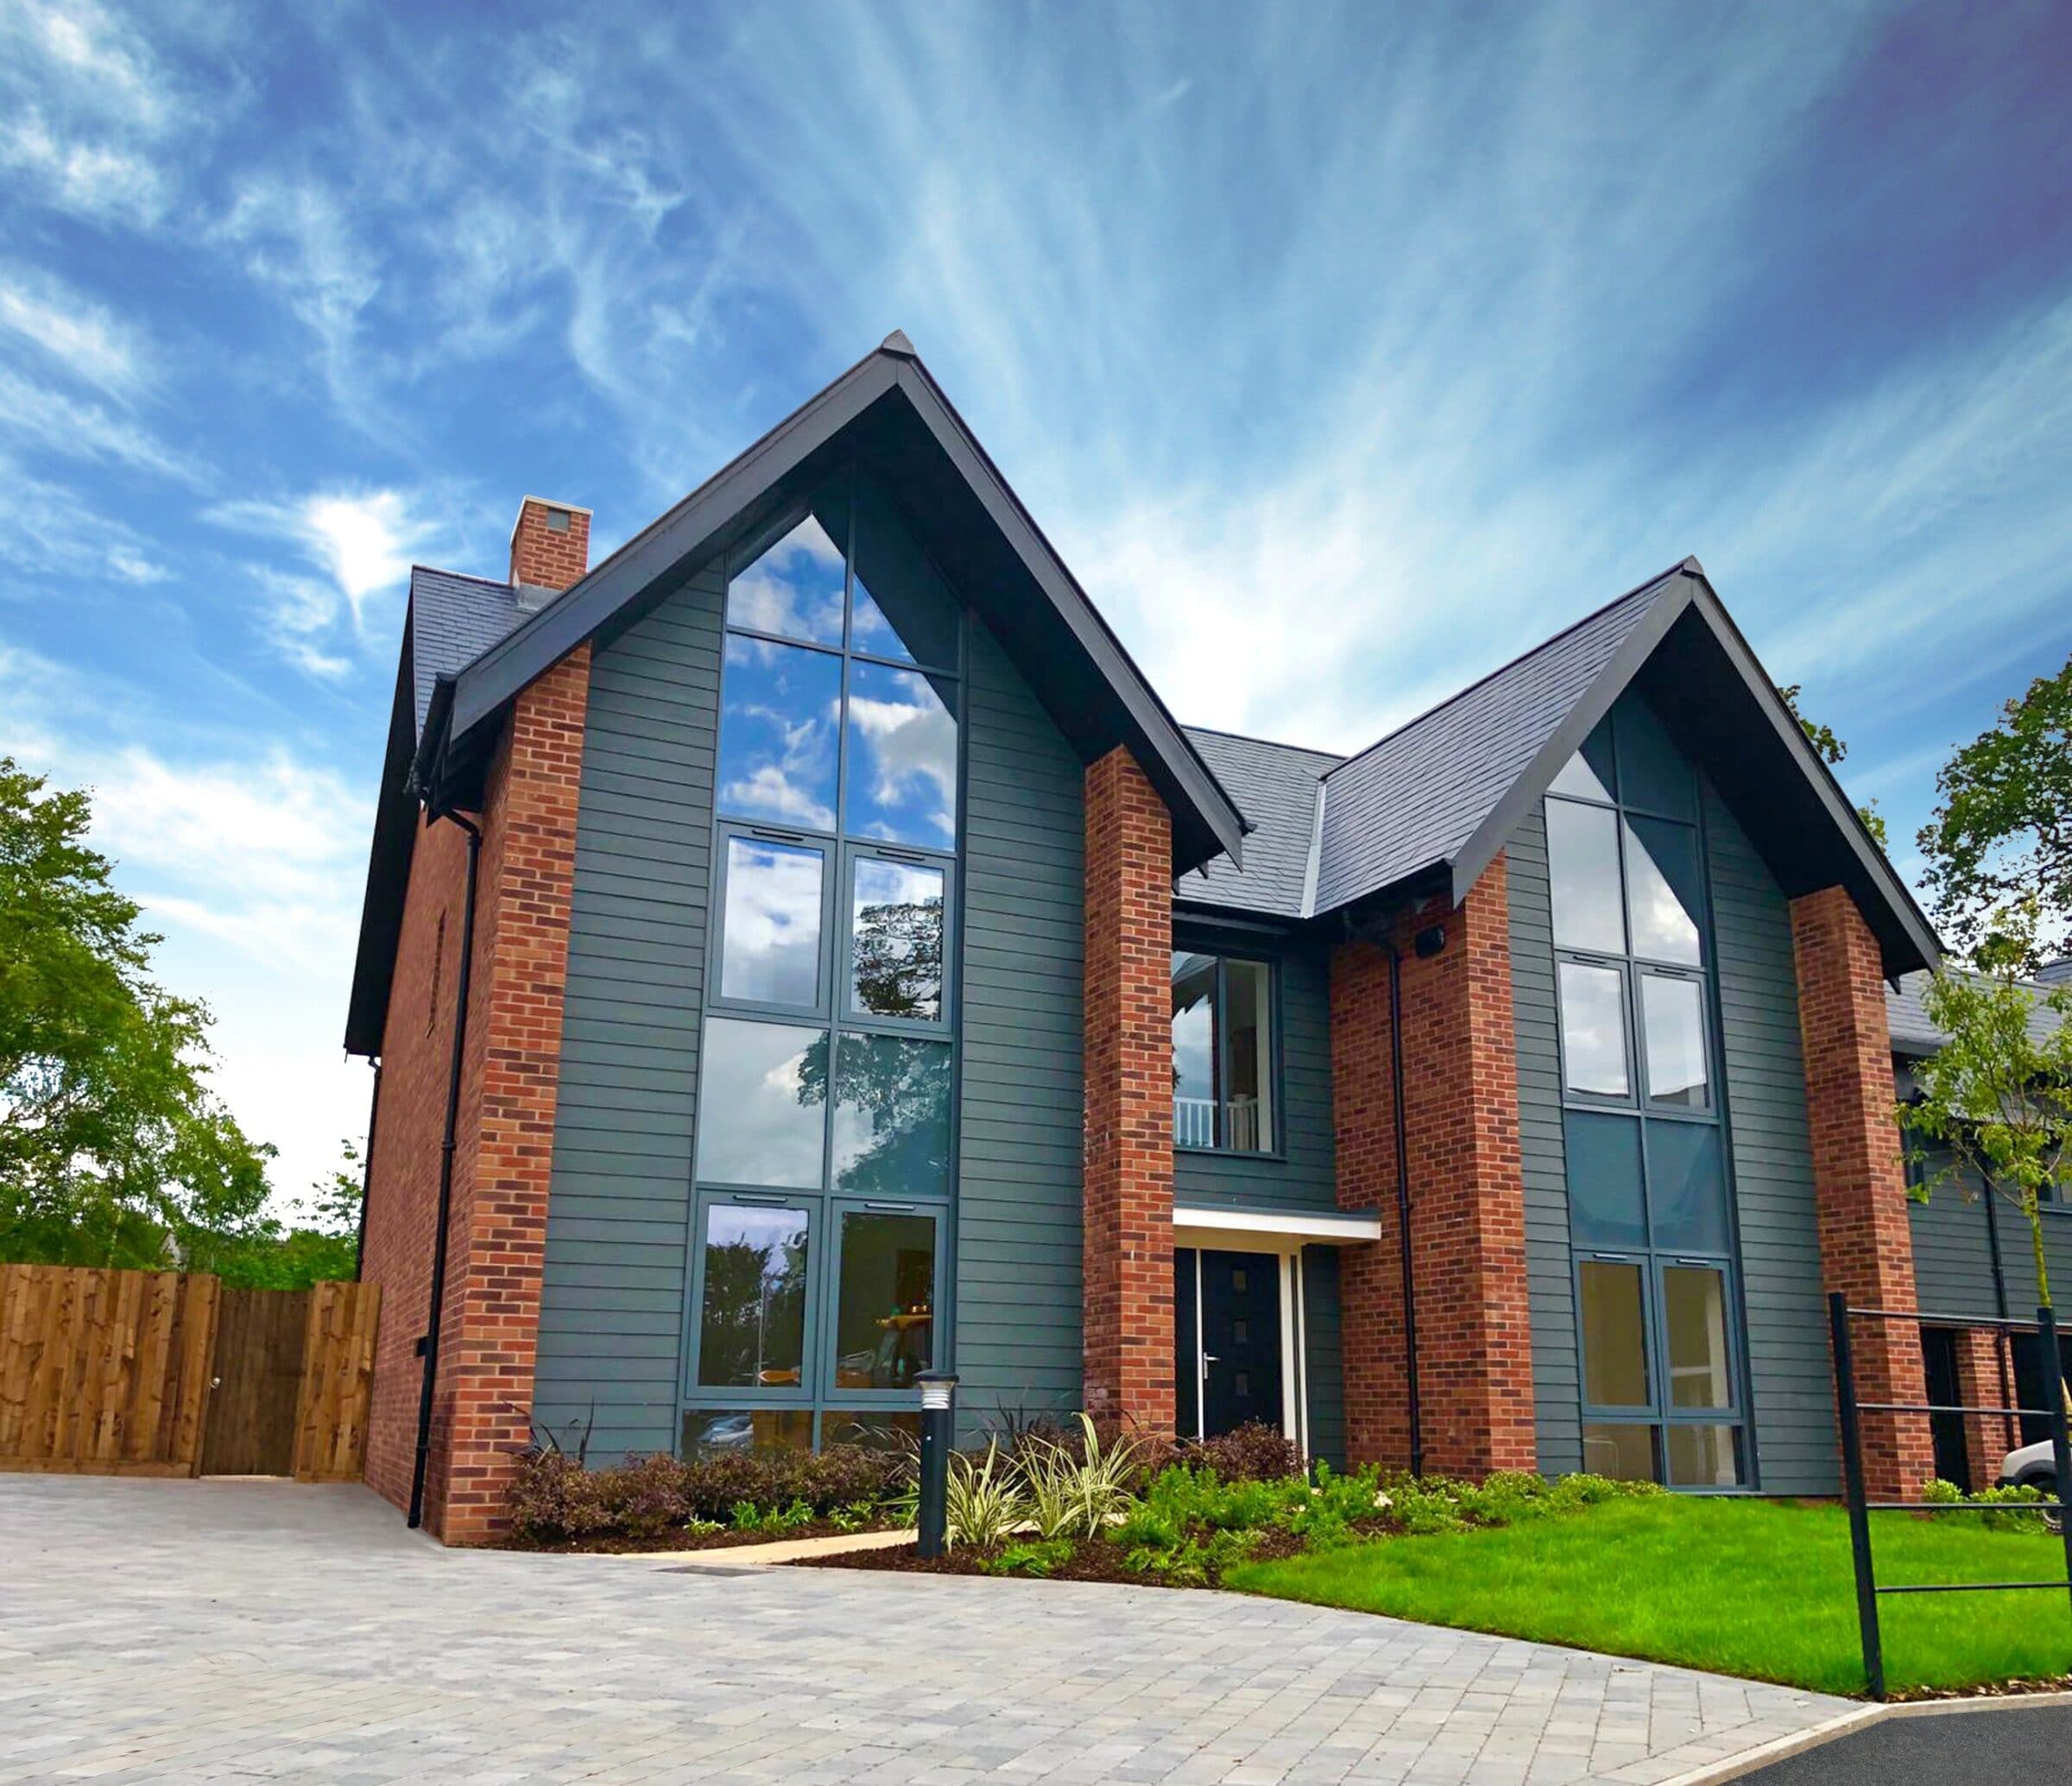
(388, 858)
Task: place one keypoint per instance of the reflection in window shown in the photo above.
(1194, 1050)
(770, 940)
(1687, 1187)
(1247, 1046)
(1662, 890)
(795, 588)
(1605, 1200)
(1694, 1310)
(1223, 1053)
(899, 608)
(1654, 776)
(902, 758)
(1703, 1457)
(1582, 865)
(762, 1087)
(896, 940)
(748, 1430)
(892, 1116)
(752, 1307)
(777, 734)
(1673, 1013)
(877, 1428)
(1588, 774)
(885, 1302)
(1593, 1030)
(1614, 1335)
(1626, 1453)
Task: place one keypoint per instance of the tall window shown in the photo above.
(1223, 1053)
(1648, 1213)
(824, 1136)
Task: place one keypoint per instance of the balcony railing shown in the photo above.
(1195, 1124)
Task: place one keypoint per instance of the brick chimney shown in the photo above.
(550, 546)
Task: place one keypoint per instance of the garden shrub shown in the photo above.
(1039, 1556)
(2012, 1496)
(1254, 1453)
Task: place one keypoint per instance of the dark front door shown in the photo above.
(1241, 1339)
(1946, 1431)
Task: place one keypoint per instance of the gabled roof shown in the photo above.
(1278, 787)
(890, 416)
(1914, 1035)
(452, 620)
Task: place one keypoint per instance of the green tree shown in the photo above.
(270, 1253)
(2002, 835)
(1832, 751)
(114, 1148)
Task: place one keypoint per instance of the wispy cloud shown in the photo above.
(71, 331)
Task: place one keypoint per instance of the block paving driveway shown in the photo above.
(236, 1631)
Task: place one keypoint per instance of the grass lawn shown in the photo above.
(1759, 1588)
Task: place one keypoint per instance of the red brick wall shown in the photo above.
(1859, 1181)
(1127, 1184)
(541, 556)
(1985, 1379)
(1468, 1233)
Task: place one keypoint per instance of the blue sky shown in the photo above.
(1343, 353)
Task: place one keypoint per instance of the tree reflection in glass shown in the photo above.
(752, 1323)
(892, 1115)
(896, 967)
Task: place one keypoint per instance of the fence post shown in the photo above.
(1852, 1480)
(2061, 1450)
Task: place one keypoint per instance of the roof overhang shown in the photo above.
(395, 827)
(888, 415)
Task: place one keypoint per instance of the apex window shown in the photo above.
(1223, 1053)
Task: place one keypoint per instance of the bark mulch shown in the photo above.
(619, 1544)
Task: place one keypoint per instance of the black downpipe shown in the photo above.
(429, 1344)
(374, 1110)
(1410, 1290)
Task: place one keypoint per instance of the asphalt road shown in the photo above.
(2014, 1748)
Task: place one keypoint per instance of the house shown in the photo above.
(802, 949)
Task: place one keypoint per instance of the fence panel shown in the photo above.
(337, 1378)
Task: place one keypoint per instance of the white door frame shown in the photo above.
(1286, 1248)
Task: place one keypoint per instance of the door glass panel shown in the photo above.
(1606, 1207)
(892, 1116)
(1588, 774)
(1694, 1310)
(1583, 863)
(1614, 1335)
(1662, 890)
(895, 967)
(761, 1094)
(751, 1326)
(885, 1302)
(899, 607)
(1194, 1123)
(777, 734)
(1593, 1030)
(795, 587)
(902, 758)
(1687, 1187)
(770, 939)
(1248, 1041)
(1705, 1456)
(1626, 1453)
(1653, 774)
(748, 1430)
(1673, 1013)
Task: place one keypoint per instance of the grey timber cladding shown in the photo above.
(1275, 786)
(612, 1299)
(1793, 1412)
(1020, 1097)
(1302, 1175)
(1323, 1373)
(1953, 1250)
(1550, 1293)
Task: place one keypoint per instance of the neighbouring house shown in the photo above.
(803, 949)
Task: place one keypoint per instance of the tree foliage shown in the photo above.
(1832, 750)
(114, 1148)
(2002, 834)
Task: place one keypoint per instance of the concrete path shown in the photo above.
(219, 1631)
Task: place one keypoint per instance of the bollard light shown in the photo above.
(939, 1401)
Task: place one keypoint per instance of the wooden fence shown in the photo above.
(167, 1373)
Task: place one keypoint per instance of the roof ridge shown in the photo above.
(1437, 707)
(462, 575)
(1337, 756)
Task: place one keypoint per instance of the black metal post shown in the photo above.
(2061, 1449)
(1851, 1479)
(939, 1402)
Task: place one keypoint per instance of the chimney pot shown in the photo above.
(550, 545)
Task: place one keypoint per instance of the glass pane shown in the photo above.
(899, 607)
(748, 1430)
(1694, 1310)
(1687, 1187)
(1583, 863)
(1662, 890)
(1589, 772)
(902, 758)
(777, 734)
(751, 1322)
(795, 587)
(1194, 1050)
(895, 966)
(1614, 1335)
(1653, 774)
(874, 1430)
(1673, 1013)
(892, 1116)
(1593, 1030)
(1705, 1456)
(770, 944)
(1248, 1036)
(1626, 1453)
(1606, 1207)
(885, 1303)
(761, 1089)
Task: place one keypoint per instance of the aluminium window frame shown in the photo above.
(1219, 1032)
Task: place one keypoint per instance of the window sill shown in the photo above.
(1271, 1159)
